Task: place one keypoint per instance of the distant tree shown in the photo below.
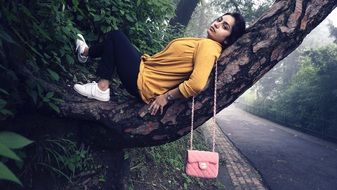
(250, 9)
(274, 83)
(183, 13)
(312, 94)
(333, 32)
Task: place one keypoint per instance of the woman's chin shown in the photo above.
(209, 34)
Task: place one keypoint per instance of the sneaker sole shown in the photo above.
(80, 37)
(100, 99)
(79, 58)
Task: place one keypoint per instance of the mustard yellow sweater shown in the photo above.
(185, 62)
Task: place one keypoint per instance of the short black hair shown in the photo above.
(239, 28)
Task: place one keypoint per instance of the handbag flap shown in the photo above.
(202, 156)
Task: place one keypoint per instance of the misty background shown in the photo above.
(301, 90)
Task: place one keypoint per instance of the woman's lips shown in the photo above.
(212, 29)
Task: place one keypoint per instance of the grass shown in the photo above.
(162, 167)
(64, 157)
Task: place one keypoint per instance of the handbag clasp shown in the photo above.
(203, 165)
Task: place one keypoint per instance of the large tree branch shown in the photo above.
(270, 39)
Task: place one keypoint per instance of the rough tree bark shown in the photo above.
(271, 38)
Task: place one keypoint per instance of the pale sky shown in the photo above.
(333, 17)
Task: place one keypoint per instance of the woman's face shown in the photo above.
(221, 28)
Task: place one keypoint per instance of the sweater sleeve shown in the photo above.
(204, 58)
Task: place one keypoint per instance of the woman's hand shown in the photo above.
(159, 103)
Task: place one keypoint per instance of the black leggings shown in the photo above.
(117, 51)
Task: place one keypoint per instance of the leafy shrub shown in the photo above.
(38, 37)
(9, 142)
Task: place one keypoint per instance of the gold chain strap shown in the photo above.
(214, 111)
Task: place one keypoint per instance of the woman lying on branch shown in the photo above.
(181, 70)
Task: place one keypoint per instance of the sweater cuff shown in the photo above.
(184, 91)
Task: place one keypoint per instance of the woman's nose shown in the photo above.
(216, 24)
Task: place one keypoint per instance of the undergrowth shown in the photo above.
(162, 167)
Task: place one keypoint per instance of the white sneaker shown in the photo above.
(80, 46)
(91, 90)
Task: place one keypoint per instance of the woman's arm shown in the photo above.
(174, 94)
(204, 58)
(161, 100)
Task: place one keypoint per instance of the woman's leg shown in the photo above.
(116, 51)
(120, 53)
(93, 90)
(94, 51)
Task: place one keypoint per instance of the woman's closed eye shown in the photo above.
(225, 26)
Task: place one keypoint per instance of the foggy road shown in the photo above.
(285, 158)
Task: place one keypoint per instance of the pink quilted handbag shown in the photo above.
(204, 164)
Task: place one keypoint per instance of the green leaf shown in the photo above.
(6, 112)
(53, 75)
(2, 103)
(49, 95)
(129, 18)
(42, 33)
(44, 99)
(69, 59)
(7, 174)
(4, 68)
(4, 91)
(138, 2)
(75, 3)
(6, 37)
(6, 152)
(71, 167)
(57, 100)
(54, 107)
(46, 56)
(27, 12)
(13, 140)
(97, 18)
(39, 89)
(33, 94)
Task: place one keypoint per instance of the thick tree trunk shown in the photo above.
(184, 12)
(271, 38)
